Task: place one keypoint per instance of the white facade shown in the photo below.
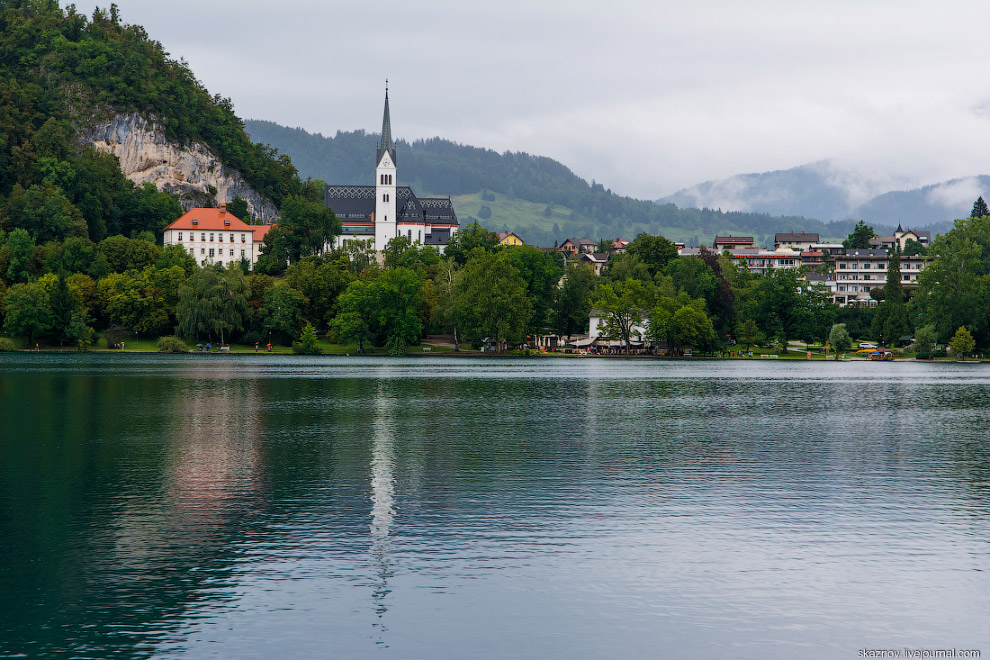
(860, 271)
(385, 216)
(215, 247)
(213, 236)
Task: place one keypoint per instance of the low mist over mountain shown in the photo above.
(830, 192)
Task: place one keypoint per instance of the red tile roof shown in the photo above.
(260, 231)
(211, 219)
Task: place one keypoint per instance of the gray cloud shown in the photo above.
(645, 97)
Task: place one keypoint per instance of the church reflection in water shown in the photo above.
(382, 498)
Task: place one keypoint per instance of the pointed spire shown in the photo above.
(386, 143)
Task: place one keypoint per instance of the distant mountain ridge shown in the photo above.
(828, 191)
(569, 205)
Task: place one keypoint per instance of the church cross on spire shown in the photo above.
(386, 143)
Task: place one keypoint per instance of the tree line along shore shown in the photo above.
(72, 292)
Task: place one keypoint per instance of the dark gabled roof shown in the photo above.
(580, 241)
(796, 237)
(857, 252)
(408, 207)
(350, 200)
(439, 209)
(733, 239)
(437, 237)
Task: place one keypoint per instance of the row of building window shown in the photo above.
(384, 179)
(214, 253)
(905, 266)
(202, 237)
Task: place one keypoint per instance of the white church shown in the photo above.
(385, 210)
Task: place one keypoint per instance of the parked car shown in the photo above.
(866, 344)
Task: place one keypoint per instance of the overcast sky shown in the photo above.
(644, 97)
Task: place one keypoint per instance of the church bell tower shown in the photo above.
(385, 203)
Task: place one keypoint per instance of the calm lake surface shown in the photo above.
(291, 507)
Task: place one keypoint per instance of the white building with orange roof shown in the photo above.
(214, 236)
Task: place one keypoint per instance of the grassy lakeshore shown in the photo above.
(427, 348)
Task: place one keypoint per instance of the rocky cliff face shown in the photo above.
(190, 171)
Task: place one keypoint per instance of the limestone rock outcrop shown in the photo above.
(190, 171)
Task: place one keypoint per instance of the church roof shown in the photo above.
(350, 201)
(359, 201)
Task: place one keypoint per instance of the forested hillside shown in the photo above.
(79, 242)
(61, 72)
(576, 207)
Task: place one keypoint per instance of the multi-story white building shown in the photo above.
(799, 241)
(214, 236)
(857, 272)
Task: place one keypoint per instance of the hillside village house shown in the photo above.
(596, 259)
(732, 243)
(214, 236)
(386, 210)
(758, 261)
(509, 238)
(900, 238)
(576, 246)
(800, 241)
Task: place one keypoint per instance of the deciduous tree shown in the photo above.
(28, 311)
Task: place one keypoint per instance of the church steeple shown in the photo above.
(386, 144)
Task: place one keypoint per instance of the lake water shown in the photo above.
(292, 507)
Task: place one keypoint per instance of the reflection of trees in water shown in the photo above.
(135, 500)
(124, 522)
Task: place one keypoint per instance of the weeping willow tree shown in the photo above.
(212, 303)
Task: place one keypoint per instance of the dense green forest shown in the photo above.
(438, 166)
(60, 72)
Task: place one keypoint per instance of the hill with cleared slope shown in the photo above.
(535, 196)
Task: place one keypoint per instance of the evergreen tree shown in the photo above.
(63, 308)
(891, 320)
(980, 209)
(308, 343)
(860, 237)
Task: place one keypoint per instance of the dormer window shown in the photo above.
(195, 223)
(226, 223)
